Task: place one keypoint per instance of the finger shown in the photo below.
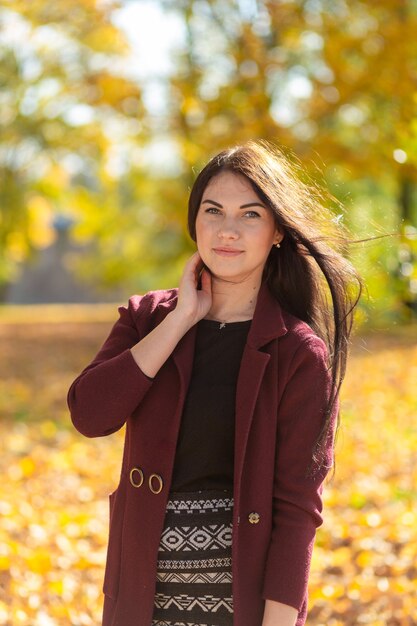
(196, 259)
(194, 255)
(193, 262)
(191, 268)
(197, 263)
(206, 281)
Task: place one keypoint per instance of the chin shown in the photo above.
(232, 277)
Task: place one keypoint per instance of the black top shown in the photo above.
(205, 448)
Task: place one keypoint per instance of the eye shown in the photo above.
(252, 213)
(210, 209)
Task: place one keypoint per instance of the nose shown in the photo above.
(228, 229)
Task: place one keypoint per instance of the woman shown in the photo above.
(229, 389)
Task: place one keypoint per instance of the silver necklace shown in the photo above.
(223, 324)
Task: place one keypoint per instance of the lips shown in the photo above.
(227, 251)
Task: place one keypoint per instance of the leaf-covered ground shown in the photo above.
(54, 486)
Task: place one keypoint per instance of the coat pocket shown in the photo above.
(114, 547)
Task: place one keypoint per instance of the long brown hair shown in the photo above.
(308, 274)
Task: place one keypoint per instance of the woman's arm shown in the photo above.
(278, 614)
(193, 304)
(113, 385)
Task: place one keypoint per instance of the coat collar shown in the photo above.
(268, 321)
(267, 324)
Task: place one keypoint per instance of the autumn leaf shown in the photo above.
(53, 496)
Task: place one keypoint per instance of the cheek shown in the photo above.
(263, 232)
(202, 229)
(199, 236)
(198, 229)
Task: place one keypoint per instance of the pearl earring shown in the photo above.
(277, 245)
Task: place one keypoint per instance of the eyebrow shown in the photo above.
(243, 206)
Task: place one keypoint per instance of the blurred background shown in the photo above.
(108, 109)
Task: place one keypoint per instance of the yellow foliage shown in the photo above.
(17, 246)
(40, 213)
(54, 507)
(39, 561)
(27, 466)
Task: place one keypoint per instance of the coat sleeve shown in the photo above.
(108, 390)
(297, 502)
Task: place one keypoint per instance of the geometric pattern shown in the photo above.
(199, 504)
(194, 577)
(189, 538)
(200, 564)
(194, 566)
(164, 623)
(207, 603)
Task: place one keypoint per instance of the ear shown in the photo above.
(278, 235)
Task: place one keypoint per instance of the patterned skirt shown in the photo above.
(194, 570)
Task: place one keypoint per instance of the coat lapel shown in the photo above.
(183, 353)
(267, 324)
(183, 356)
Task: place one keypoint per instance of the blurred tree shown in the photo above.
(65, 104)
(334, 81)
(327, 77)
(362, 115)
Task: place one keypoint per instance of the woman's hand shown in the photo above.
(194, 303)
(278, 614)
(151, 352)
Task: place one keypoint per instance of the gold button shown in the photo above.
(254, 517)
(159, 480)
(140, 477)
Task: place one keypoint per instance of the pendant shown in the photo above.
(222, 325)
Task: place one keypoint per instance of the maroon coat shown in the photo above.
(282, 387)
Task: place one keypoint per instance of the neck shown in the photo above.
(233, 302)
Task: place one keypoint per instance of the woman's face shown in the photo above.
(235, 230)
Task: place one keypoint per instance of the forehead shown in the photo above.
(229, 183)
